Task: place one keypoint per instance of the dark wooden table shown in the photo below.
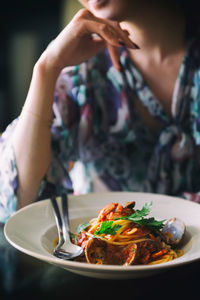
(24, 277)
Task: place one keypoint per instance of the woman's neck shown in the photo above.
(159, 31)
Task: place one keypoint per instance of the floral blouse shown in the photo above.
(96, 124)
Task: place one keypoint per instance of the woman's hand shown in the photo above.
(85, 36)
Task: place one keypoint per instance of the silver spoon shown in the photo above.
(65, 249)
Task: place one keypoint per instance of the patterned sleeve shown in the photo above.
(64, 138)
(65, 128)
(76, 124)
(8, 175)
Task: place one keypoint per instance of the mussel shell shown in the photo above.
(173, 231)
(130, 205)
(100, 252)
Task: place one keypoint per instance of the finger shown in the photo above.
(115, 57)
(124, 34)
(110, 31)
(97, 44)
(105, 31)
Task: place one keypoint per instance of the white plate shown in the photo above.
(32, 230)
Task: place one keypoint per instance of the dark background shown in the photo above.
(26, 28)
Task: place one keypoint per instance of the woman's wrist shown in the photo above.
(40, 96)
(47, 66)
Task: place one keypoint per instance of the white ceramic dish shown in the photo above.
(32, 230)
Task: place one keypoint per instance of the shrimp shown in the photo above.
(105, 211)
(112, 211)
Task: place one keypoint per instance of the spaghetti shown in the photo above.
(123, 236)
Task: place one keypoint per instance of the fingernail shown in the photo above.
(121, 43)
(135, 45)
(131, 45)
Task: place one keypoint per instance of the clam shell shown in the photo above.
(100, 252)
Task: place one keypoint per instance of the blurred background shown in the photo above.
(27, 27)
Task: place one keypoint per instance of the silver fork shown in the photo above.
(65, 249)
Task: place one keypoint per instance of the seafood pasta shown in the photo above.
(121, 235)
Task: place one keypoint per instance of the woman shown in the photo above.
(129, 109)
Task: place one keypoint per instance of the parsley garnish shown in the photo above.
(151, 222)
(107, 228)
(81, 227)
(138, 218)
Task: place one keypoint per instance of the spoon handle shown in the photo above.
(65, 213)
(58, 218)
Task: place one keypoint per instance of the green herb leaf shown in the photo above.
(81, 227)
(139, 214)
(72, 235)
(138, 218)
(151, 222)
(107, 228)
